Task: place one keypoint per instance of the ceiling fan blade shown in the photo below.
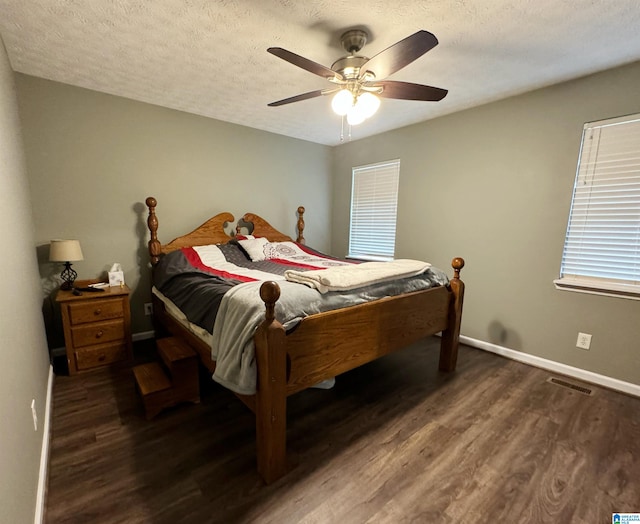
(399, 55)
(304, 63)
(408, 91)
(298, 98)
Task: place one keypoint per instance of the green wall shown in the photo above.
(93, 158)
(493, 185)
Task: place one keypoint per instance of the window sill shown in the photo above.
(608, 289)
(369, 258)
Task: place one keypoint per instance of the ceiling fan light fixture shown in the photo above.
(342, 102)
(368, 103)
(355, 116)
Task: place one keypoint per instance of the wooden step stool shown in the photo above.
(171, 381)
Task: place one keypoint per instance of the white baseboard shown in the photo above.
(143, 335)
(556, 367)
(44, 453)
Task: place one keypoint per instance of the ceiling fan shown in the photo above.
(359, 80)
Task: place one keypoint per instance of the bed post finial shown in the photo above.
(300, 238)
(457, 264)
(152, 224)
(270, 293)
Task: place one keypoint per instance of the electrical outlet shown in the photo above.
(584, 341)
(148, 309)
(34, 414)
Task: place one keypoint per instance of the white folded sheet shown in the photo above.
(344, 278)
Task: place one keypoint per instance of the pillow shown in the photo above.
(256, 248)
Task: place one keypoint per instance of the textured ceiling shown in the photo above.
(209, 57)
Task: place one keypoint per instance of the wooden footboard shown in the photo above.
(321, 346)
(331, 343)
(328, 344)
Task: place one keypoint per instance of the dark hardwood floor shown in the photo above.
(395, 441)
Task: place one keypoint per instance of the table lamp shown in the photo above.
(66, 251)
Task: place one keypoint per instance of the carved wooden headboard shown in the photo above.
(212, 231)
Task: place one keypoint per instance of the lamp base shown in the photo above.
(68, 276)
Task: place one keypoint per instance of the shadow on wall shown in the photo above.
(50, 283)
(243, 228)
(142, 292)
(503, 336)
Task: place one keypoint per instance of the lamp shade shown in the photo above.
(65, 251)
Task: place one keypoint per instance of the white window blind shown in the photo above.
(602, 246)
(374, 204)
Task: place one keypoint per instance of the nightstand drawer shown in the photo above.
(100, 355)
(95, 311)
(97, 333)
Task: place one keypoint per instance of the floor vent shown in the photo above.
(569, 385)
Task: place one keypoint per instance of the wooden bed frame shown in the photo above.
(323, 345)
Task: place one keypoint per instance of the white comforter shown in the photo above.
(344, 278)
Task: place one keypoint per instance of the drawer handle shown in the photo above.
(97, 311)
(99, 334)
(101, 358)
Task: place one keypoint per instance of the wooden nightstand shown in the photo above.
(97, 327)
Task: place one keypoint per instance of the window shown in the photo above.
(602, 246)
(374, 203)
